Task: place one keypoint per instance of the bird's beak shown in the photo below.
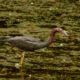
(65, 33)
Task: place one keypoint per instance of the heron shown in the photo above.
(28, 43)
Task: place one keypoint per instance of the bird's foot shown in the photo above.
(17, 65)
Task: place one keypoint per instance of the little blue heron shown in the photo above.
(27, 43)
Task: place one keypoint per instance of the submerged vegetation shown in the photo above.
(61, 60)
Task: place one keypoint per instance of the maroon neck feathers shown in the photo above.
(52, 35)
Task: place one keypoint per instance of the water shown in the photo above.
(61, 60)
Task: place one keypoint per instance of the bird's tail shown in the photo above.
(3, 38)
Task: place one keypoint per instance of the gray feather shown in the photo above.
(26, 43)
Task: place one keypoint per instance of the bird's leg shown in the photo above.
(22, 59)
(13, 50)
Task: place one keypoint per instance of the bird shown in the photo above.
(28, 43)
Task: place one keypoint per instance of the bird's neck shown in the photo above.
(51, 40)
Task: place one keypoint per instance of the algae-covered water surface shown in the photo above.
(59, 61)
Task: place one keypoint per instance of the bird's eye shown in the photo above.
(59, 29)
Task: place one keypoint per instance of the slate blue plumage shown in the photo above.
(30, 43)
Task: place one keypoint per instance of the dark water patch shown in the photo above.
(65, 48)
(3, 24)
(51, 71)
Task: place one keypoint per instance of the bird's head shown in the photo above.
(60, 30)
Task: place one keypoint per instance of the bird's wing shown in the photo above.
(32, 39)
(26, 43)
(25, 38)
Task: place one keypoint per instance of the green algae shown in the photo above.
(61, 60)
